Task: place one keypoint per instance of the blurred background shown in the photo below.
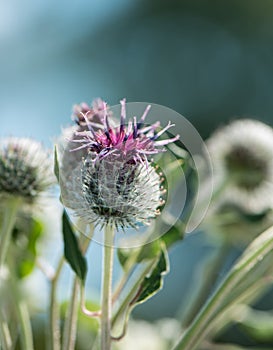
(209, 60)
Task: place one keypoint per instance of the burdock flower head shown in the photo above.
(25, 169)
(115, 183)
(243, 164)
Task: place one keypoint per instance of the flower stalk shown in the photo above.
(106, 302)
(70, 326)
(26, 330)
(5, 336)
(54, 312)
(20, 309)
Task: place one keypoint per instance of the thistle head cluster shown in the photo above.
(25, 169)
(115, 183)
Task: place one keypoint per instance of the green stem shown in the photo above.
(70, 326)
(54, 312)
(106, 301)
(226, 316)
(5, 337)
(129, 267)
(9, 217)
(84, 309)
(20, 308)
(24, 320)
(196, 333)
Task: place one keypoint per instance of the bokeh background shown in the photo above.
(210, 60)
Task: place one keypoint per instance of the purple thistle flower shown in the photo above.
(115, 183)
(134, 140)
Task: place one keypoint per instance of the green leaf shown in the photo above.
(28, 263)
(151, 250)
(123, 256)
(72, 251)
(153, 282)
(56, 164)
(145, 252)
(256, 323)
(173, 234)
(147, 284)
(26, 233)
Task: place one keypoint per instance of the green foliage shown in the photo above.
(72, 251)
(256, 323)
(245, 281)
(150, 281)
(151, 250)
(153, 282)
(145, 252)
(173, 233)
(26, 233)
(56, 164)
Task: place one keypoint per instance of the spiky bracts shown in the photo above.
(119, 193)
